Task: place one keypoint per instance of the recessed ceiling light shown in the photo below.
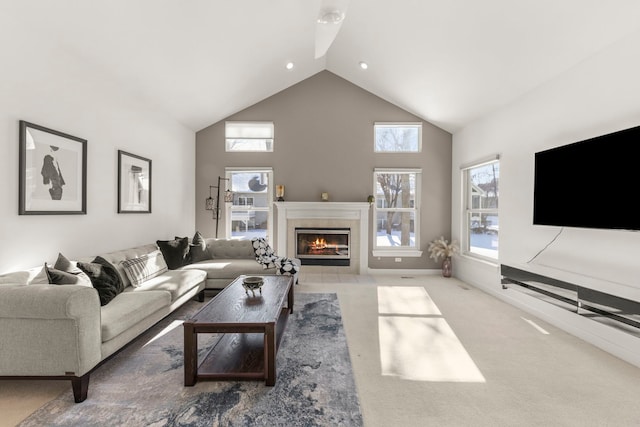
(363, 65)
(289, 66)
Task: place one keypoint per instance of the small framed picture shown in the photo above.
(53, 172)
(134, 183)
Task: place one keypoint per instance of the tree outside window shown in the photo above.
(396, 208)
(398, 137)
(482, 220)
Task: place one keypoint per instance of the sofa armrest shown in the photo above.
(49, 330)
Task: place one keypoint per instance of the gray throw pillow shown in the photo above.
(175, 251)
(104, 278)
(64, 265)
(59, 277)
(198, 250)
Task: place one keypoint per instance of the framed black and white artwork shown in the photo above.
(134, 183)
(53, 172)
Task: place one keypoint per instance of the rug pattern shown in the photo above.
(143, 385)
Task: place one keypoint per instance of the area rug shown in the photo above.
(143, 385)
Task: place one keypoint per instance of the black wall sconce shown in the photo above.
(213, 205)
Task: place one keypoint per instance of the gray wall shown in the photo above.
(45, 84)
(324, 143)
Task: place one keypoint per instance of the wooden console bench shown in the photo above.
(614, 301)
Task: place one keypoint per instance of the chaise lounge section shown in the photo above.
(230, 258)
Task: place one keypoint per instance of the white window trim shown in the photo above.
(467, 210)
(402, 251)
(398, 125)
(269, 208)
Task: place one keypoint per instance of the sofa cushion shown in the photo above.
(176, 282)
(198, 250)
(145, 267)
(130, 308)
(19, 277)
(174, 251)
(104, 278)
(231, 249)
(229, 269)
(15, 278)
(32, 276)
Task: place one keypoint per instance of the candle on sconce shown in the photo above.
(280, 193)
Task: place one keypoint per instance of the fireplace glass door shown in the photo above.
(323, 246)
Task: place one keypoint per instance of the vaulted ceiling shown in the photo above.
(449, 62)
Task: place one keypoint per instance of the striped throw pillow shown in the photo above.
(145, 267)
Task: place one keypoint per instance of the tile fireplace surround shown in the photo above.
(354, 215)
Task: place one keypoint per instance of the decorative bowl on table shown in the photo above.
(252, 283)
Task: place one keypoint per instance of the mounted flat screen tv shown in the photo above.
(589, 184)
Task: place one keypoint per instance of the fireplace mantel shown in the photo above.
(358, 211)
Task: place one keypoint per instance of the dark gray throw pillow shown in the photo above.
(175, 251)
(120, 285)
(198, 250)
(64, 265)
(104, 279)
(59, 277)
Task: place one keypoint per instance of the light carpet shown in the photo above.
(143, 385)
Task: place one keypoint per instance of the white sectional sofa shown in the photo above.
(62, 332)
(50, 331)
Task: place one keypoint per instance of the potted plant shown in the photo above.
(441, 248)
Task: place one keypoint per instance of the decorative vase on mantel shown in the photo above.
(446, 267)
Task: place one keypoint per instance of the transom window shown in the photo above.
(396, 212)
(397, 137)
(250, 212)
(249, 136)
(481, 225)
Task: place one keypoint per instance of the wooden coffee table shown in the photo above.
(252, 328)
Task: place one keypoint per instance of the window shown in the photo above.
(251, 209)
(245, 201)
(481, 222)
(396, 212)
(397, 137)
(249, 136)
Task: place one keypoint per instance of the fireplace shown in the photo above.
(323, 246)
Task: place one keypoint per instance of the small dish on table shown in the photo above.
(252, 283)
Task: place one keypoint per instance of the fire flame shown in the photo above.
(319, 243)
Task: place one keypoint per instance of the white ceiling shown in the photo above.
(449, 62)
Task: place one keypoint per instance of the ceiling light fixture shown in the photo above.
(330, 16)
(289, 66)
(363, 65)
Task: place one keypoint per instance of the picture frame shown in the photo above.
(52, 172)
(134, 183)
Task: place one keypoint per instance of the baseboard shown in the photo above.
(404, 272)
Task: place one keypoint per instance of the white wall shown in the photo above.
(598, 96)
(43, 83)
